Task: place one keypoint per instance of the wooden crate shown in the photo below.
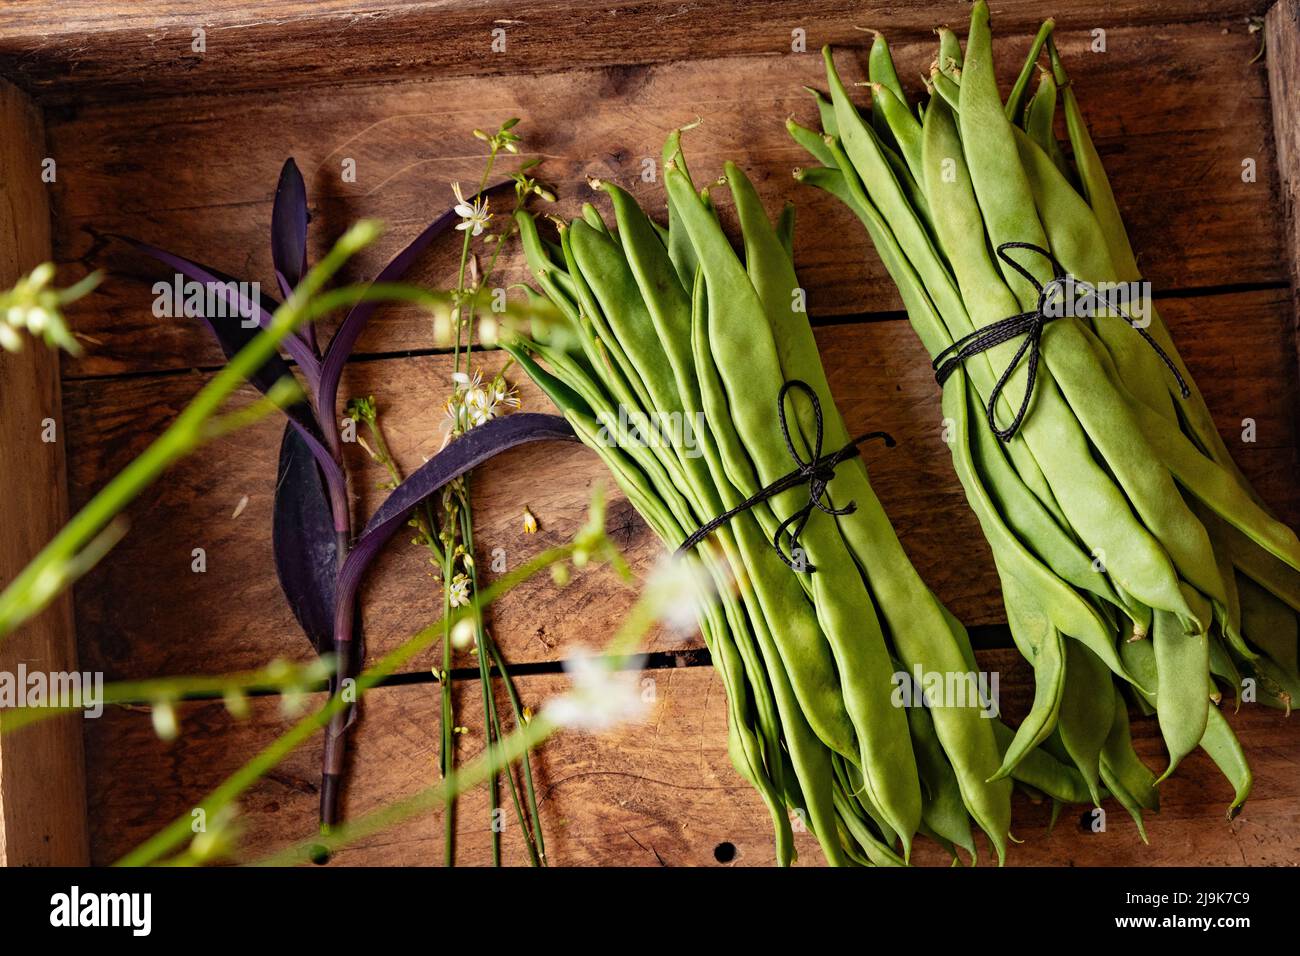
(182, 149)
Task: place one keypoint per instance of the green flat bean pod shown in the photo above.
(674, 322)
(1131, 550)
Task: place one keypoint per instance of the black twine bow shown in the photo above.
(1030, 325)
(817, 474)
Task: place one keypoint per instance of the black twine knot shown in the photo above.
(1030, 325)
(816, 473)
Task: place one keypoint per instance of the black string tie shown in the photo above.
(1030, 325)
(816, 474)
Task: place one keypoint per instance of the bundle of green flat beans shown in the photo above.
(1136, 561)
(672, 321)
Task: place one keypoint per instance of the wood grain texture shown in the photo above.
(183, 150)
(1282, 47)
(659, 793)
(1236, 345)
(89, 49)
(42, 784)
(196, 175)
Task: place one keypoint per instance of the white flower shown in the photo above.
(473, 216)
(458, 593)
(601, 697)
(472, 403)
(504, 394)
(477, 407)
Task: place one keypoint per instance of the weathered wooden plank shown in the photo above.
(659, 793)
(1282, 44)
(665, 784)
(878, 371)
(166, 171)
(85, 49)
(42, 788)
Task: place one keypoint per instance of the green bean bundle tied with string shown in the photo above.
(1136, 561)
(811, 636)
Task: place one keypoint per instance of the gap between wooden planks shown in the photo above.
(1237, 346)
(88, 49)
(660, 793)
(197, 174)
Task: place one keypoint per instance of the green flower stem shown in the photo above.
(529, 845)
(448, 749)
(528, 768)
(382, 455)
(423, 516)
(485, 679)
(448, 569)
(178, 830)
(280, 396)
(464, 254)
(487, 654)
(502, 239)
(48, 574)
(425, 524)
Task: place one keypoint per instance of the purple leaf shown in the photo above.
(335, 482)
(232, 330)
(340, 348)
(465, 453)
(289, 220)
(304, 540)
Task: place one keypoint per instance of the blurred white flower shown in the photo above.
(462, 634)
(164, 720)
(677, 590)
(601, 697)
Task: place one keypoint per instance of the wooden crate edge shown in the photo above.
(1282, 48)
(42, 767)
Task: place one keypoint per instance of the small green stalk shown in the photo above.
(448, 755)
(485, 682)
(489, 654)
(459, 513)
(528, 769)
